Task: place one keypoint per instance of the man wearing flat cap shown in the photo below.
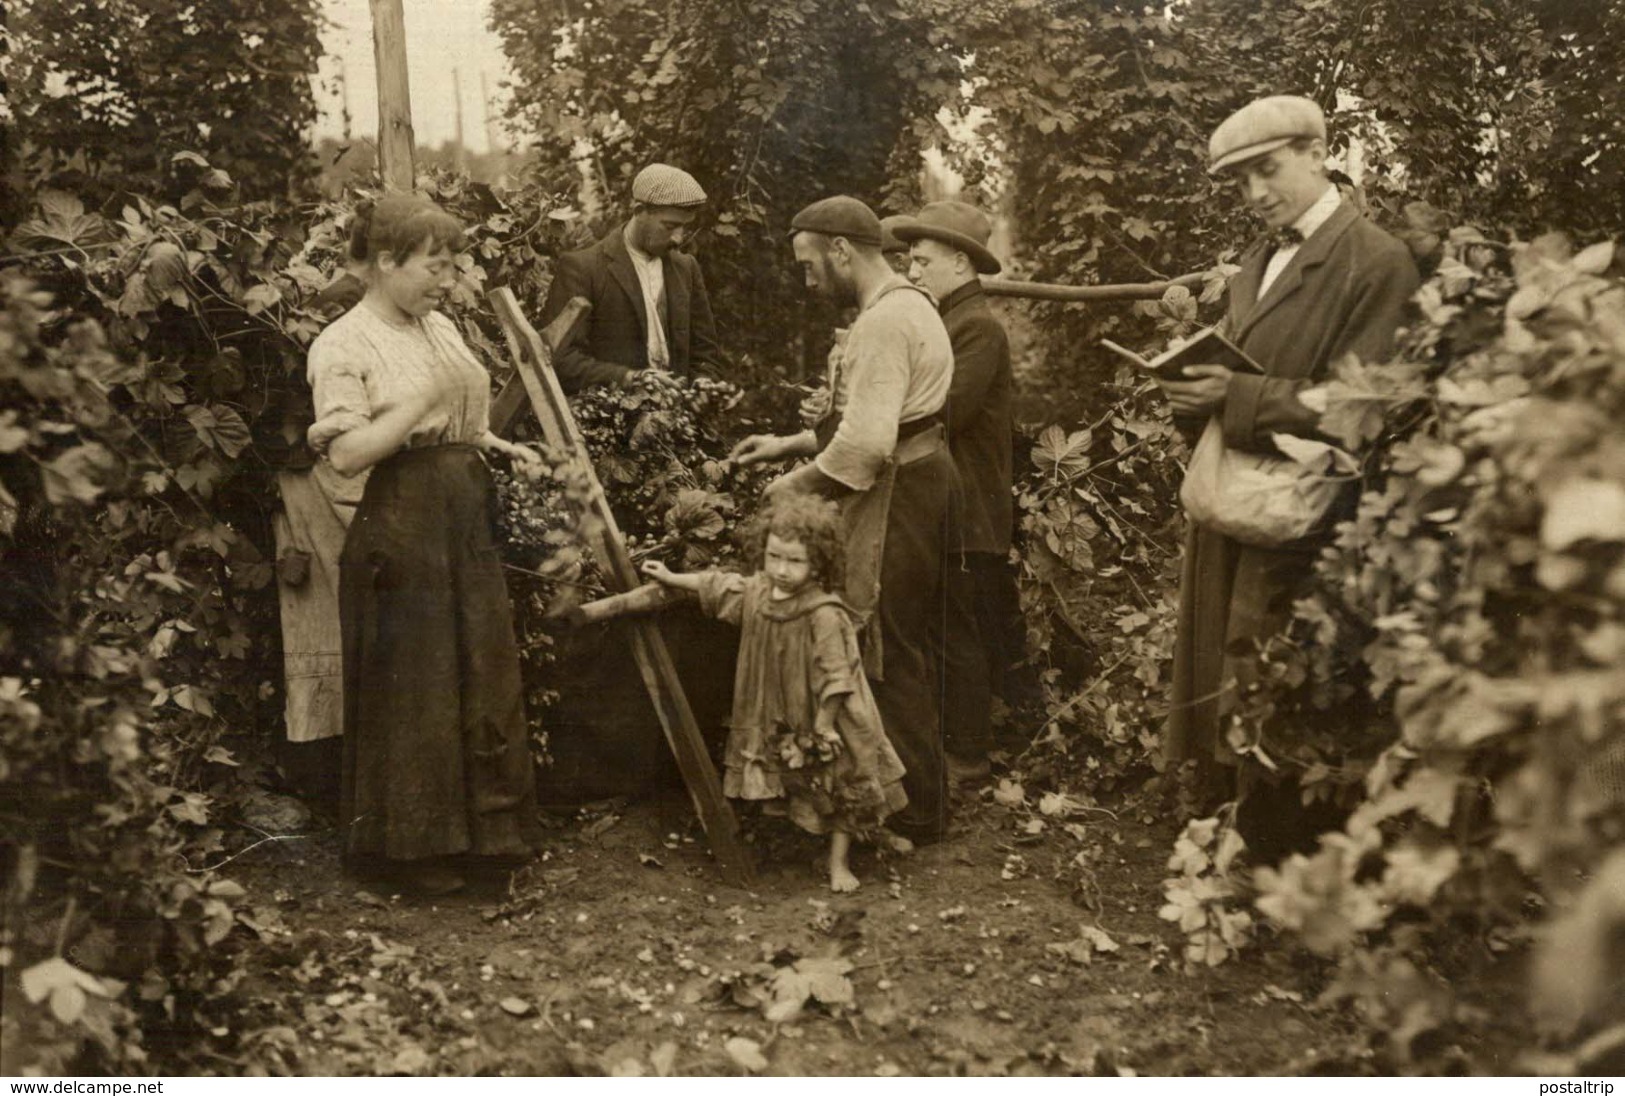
(650, 323)
(1325, 282)
(882, 452)
(985, 633)
(650, 311)
(815, 408)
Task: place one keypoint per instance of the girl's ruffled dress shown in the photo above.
(793, 653)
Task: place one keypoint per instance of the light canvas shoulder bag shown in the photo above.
(1266, 500)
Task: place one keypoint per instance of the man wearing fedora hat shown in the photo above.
(882, 453)
(1323, 283)
(948, 255)
(650, 310)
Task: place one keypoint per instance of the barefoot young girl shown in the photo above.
(805, 726)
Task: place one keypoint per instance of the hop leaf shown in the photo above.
(1060, 453)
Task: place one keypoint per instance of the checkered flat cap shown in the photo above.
(1261, 126)
(664, 185)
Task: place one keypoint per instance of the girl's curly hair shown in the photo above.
(810, 521)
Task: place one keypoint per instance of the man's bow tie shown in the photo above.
(1284, 237)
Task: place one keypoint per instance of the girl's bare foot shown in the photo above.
(841, 879)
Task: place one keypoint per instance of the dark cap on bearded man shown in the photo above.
(1261, 126)
(839, 216)
(664, 185)
(960, 225)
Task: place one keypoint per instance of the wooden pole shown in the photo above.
(395, 140)
(534, 365)
(648, 598)
(485, 114)
(1076, 294)
(457, 92)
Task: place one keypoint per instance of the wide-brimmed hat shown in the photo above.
(841, 215)
(960, 225)
(1262, 126)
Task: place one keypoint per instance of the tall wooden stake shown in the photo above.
(394, 95)
(457, 92)
(534, 365)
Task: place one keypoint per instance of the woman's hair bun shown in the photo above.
(361, 230)
(401, 224)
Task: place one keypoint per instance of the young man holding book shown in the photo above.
(1324, 282)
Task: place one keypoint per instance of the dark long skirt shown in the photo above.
(436, 761)
(912, 613)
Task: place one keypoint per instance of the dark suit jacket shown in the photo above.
(613, 343)
(1346, 290)
(979, 418)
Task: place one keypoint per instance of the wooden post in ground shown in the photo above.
(533, 362)
(394, 95)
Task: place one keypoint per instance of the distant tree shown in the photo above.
(770, 104)
(106, 92)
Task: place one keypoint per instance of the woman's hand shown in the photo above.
(529, 461)
(1201, 393)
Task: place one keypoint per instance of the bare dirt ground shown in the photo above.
(620, 951)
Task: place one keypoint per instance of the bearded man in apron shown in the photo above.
(881, 452)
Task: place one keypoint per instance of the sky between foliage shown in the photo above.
(441, 35)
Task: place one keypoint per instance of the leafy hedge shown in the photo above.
(153, 385)
(106, 740)
(1457, 674)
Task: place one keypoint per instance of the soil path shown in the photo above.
(620, 951)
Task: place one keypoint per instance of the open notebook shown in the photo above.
(1205, 348)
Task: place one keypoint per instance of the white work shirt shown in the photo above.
(896, 366)
(1313, 217)
(652, 277)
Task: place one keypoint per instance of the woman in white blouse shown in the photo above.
(436, 765)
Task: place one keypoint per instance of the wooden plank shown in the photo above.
(510, 399)
(1083, 294)
(534, 365)
(395, 139)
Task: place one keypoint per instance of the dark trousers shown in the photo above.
(986, 642)
(967, 687)
(1000, 624)
(912, 612)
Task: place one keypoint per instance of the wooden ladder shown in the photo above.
(533, 363)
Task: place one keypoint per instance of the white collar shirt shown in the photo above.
(1310, 220)
(651, 274)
